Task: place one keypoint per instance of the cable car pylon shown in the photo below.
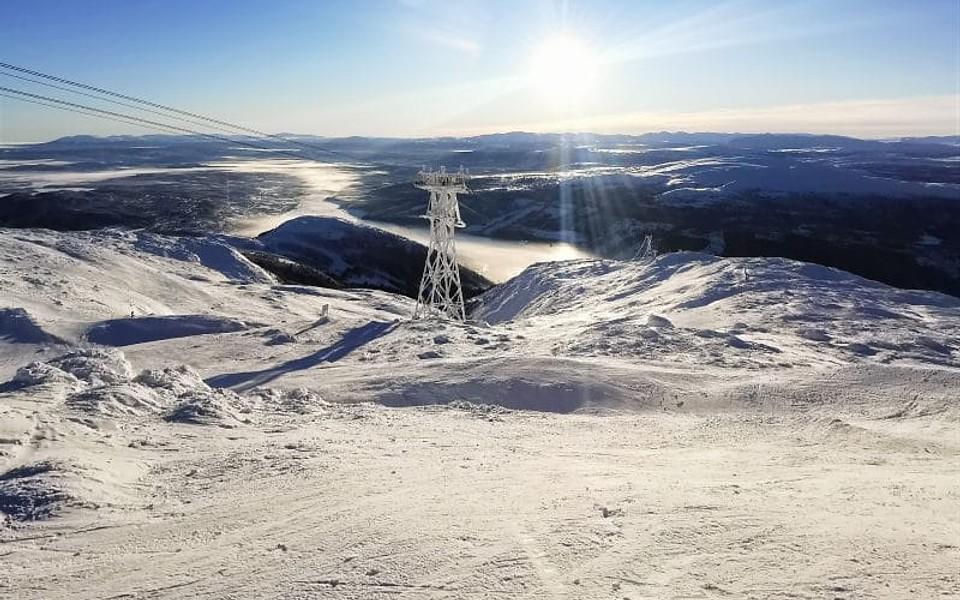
(441, 294)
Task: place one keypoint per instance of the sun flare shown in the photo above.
(563, 69)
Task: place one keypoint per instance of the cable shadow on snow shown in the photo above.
(350, 341)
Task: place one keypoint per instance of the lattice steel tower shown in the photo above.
(440, 292)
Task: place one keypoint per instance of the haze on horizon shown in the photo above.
(414, 68)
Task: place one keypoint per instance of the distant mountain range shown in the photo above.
(884, 209)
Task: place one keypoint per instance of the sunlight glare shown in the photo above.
(563, 69)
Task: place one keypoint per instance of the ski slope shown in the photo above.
(175, 423)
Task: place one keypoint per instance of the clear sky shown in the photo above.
(870, 68)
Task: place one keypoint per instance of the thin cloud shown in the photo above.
(448, 39)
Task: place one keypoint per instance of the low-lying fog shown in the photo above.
(498, 260)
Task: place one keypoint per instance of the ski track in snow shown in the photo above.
(690, 427)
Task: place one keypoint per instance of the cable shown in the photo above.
(159, 106)
(73, 110)
(140, 120)
(118, 102)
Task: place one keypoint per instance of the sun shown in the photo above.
(563, 69)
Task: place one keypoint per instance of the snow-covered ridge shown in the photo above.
(354, 254)
(752, 311)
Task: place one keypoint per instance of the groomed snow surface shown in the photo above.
(175, 424)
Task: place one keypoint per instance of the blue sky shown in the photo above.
(871, 68)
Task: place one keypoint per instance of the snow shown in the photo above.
(16, 325)
(783, 312)
(718, 177)
(685, 427)
(125, 332)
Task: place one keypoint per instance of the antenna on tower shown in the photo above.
(440, 291)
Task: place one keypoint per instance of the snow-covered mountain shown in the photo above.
(353, 254)
(750, 312)
(174, 422)
(883, 209)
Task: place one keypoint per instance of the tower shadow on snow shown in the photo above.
(350, 341)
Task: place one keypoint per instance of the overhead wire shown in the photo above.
(163, 107)
(73, 110)
(141, 121)
(112, 101)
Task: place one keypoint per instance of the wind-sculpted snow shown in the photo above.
(207, 407)
(115, 400)
(38, 373)
(743, 312)
(94, 366)
(100, 384)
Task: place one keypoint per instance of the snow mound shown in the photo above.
(193, 400)
(139, 330)
(18, 327)
(178, 380)
(658, 322)
(298, 400)
(153, 392)
(534, 384)
(38, 373)
(746, 312)
(101, 385)
(95, 366)
(116, 400)
(208, 407)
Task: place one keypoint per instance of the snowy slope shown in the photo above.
(114, 288)
(613, 429)
(732, 311)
